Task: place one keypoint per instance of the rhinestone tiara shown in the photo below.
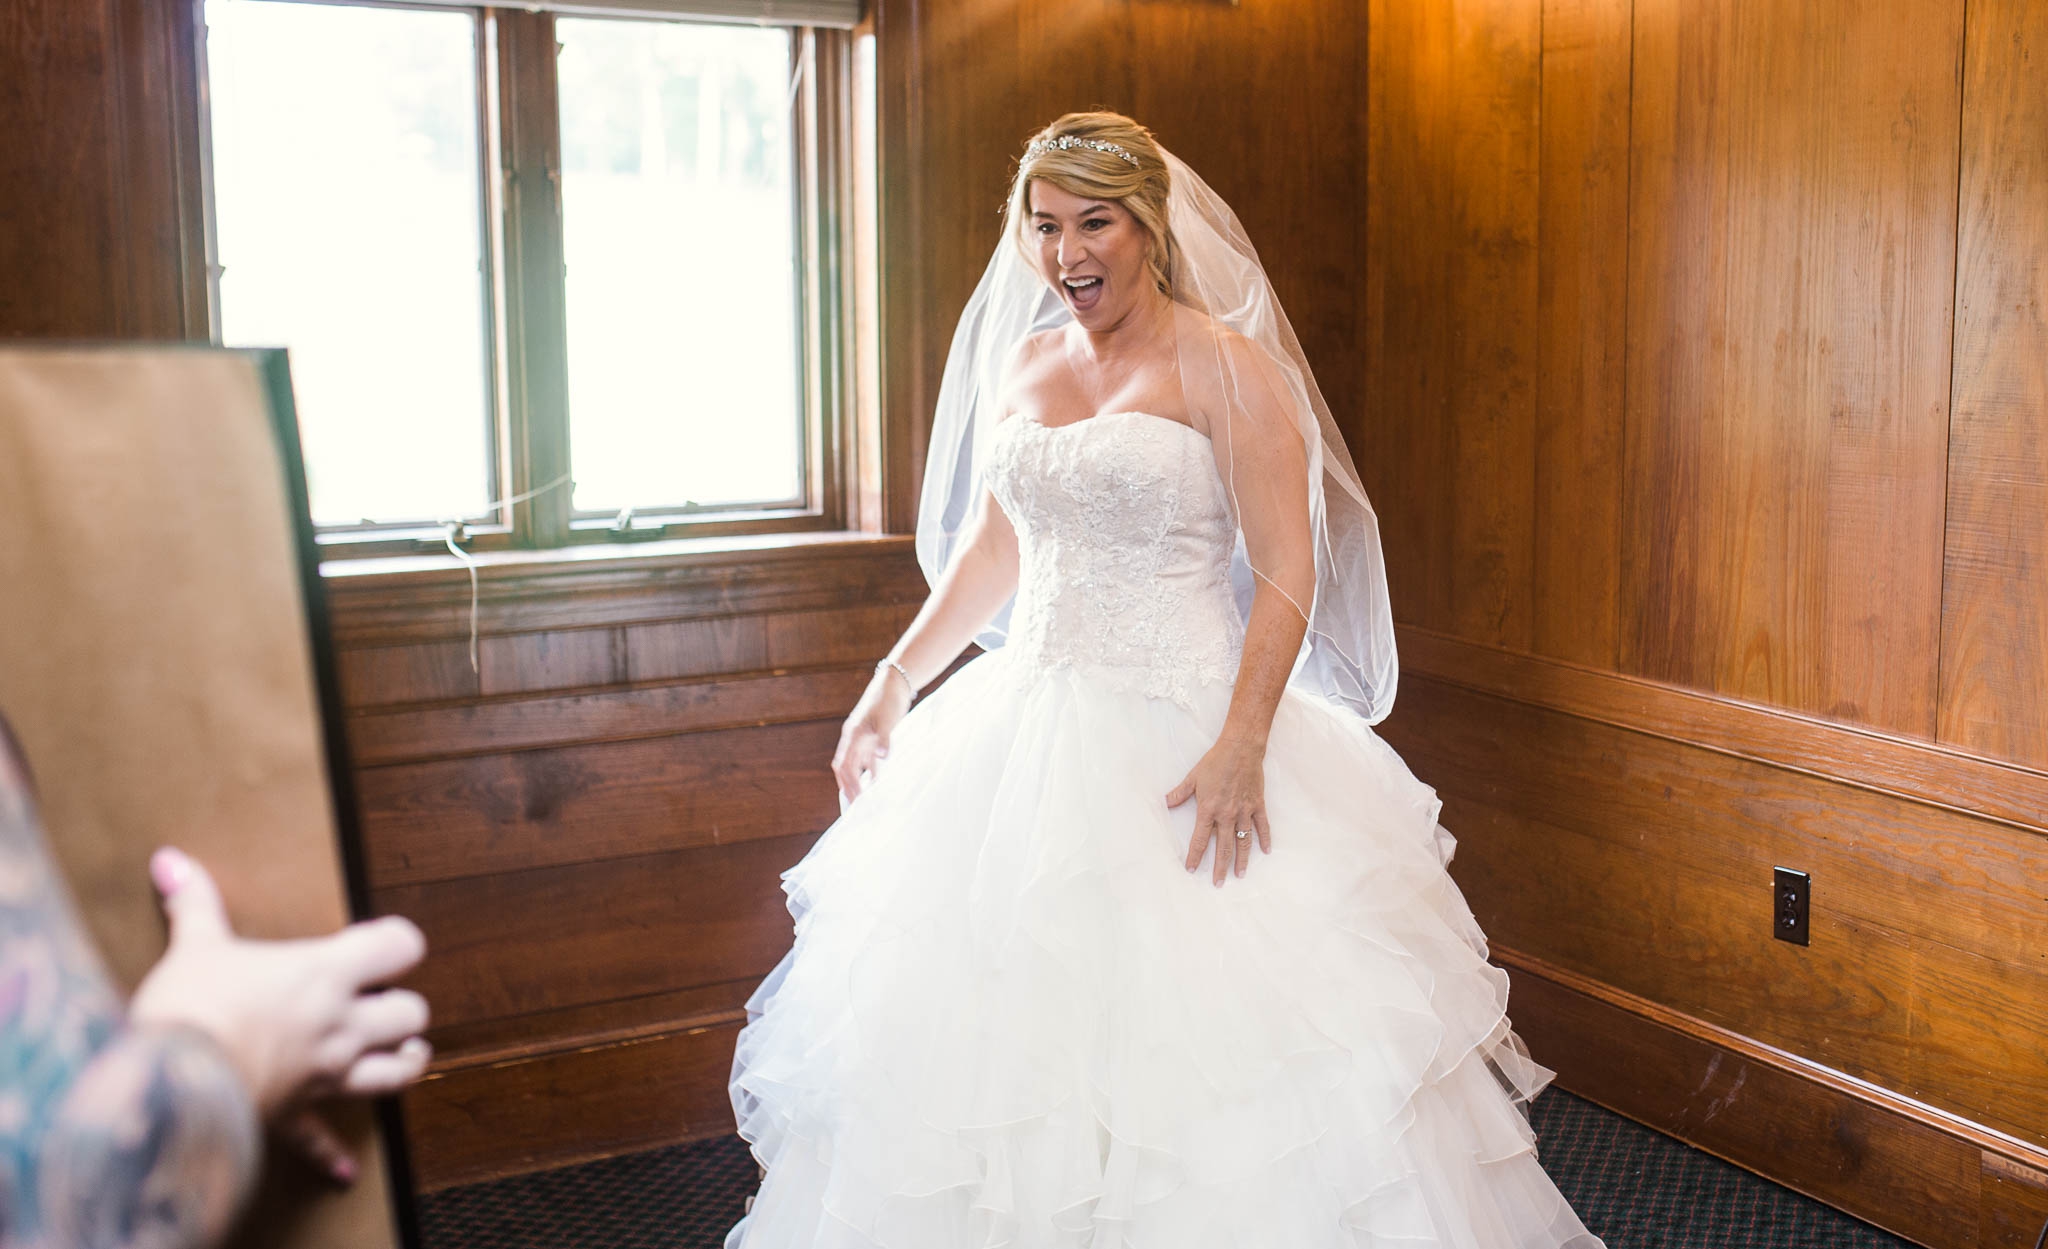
(1066, 142)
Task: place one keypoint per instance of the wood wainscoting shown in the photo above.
(1616, 838)
(1706, 414)
(591, 823)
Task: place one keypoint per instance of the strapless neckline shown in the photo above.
(1104, 416)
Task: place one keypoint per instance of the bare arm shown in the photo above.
(109, 1135)
(981, 578)
(1261, 457)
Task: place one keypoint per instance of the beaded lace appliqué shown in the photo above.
(1124, 542)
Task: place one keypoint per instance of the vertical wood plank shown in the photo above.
(1884, 351)
(1995, 578)
(1787, 376)
(1411, 398)
(100, 236)
(1582, 309)
(1495, 99)
(1673, 202)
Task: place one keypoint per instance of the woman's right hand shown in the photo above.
(864, 738)
(297, 1019)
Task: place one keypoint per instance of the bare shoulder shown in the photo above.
(1025, 362)
(1034, 349)
(1210, 350)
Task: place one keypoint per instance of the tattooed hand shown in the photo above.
(143, 1132)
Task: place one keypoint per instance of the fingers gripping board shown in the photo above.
(164, 666)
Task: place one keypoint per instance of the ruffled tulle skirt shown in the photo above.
(1013, 1018)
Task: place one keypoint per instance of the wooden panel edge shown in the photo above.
(569, 1106)
(1916, 771)
(408, 734)
(2030, 1157)
(390, 603)
(1849, 1128)
(513, 1054)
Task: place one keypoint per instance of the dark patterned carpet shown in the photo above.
(1636, 1188)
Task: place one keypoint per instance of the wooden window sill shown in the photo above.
(408, 599)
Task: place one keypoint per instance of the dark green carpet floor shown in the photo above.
(1635, 1188)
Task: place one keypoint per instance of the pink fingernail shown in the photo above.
(345, 1170)
(170, 869)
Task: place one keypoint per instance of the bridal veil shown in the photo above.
(1347, 654)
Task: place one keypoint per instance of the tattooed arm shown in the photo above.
(110, 1135)
(141, 1130)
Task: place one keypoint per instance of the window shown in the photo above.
(553, 276)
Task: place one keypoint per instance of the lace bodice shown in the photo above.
(1124, 536)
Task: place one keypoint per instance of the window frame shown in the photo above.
(523, 297)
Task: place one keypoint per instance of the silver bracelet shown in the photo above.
(907, 682)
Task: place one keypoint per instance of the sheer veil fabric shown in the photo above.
(1231, 340)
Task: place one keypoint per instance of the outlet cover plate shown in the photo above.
(1791, 902)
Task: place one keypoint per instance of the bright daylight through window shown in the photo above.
(348, 211)
(678, 222)
(356, 223)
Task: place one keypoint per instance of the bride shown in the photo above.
(1134, 933)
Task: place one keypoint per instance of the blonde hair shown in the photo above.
(1141, 188)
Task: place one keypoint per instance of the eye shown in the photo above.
(1095, 223)
(1046, 227)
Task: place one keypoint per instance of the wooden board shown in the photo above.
(1581, 327)
(1791, 249)
(1644, 863)
(1451, 268)
(159, 671)
(1994, 610)
(604, 931)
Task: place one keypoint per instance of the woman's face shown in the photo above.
(1092, 252)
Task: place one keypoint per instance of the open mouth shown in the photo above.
(1083, 293)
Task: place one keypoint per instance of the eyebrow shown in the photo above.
(1084, 212)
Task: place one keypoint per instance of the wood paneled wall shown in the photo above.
(590, 824)
(1695, 354)
(100, 208)
(1266, 101)
(1707, 416)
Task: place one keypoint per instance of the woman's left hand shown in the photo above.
(1228, 785)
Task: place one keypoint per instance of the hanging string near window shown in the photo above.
(454, 531)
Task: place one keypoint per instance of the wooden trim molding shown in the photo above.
(394, 602)
(570, 1105)
(1915, 770)
(1912, 1169)
(413, 734)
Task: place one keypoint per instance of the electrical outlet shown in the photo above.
(1791, 899)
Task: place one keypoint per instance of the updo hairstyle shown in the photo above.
(1093, 174)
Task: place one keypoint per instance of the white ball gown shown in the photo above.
(1012, 1017)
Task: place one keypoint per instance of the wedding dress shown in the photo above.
(1013, 1018)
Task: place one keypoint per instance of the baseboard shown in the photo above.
(585, 1100)
(1912, 1169)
